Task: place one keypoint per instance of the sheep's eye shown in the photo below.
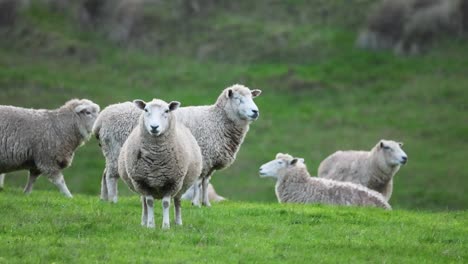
(87, 112)
(167, 111)
(146, 110)
(386, 147)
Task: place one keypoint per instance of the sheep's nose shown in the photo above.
(405, 159)
(255, 114)
(154, 128)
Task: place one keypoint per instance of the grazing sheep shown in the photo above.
(219, 129)
(44, 141)
(294, 185)
(408, 26)
(212, 195)
(374, 169)
(159, 160)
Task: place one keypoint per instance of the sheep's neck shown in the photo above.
(381, 173)
(72, 140)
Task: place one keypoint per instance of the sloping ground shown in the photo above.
(45, 227)
(320, 93)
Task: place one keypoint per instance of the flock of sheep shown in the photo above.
(167, 152)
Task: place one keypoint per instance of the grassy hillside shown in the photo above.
(47, 227)
(320, 94)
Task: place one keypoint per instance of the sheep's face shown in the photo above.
(157, 116)
(240, 103)
(278, 167)
(392, 153)
(88, 113)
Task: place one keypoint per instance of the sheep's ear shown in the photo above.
(173, 105)
(84, 109)
(279, 154)
(139, 103)
(256, 92)
(300, 160)
(294, 161)
(229, 93)
(401, 144)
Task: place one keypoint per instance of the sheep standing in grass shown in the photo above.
(374, 169)
(219, 130)
(44, 141)
(160, 160)
(294, 185)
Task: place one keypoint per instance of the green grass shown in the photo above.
(46, 227)
(320, 94)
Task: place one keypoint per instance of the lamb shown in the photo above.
(294, 185)
(219, 130)
(374, 169)
(44, 141)
(212, 195)
(159, 160)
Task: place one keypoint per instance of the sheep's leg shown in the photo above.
(177, 211)
(59, 181)
(387, 190)
(166, 202)
(144, 211)
(104, 192)
(2, 181)
(206, 200)
(111, 180)
(196, 194)
(150, 211)
(33, 175)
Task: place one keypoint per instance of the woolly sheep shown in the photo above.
(294, 185)
(374, 169)
(219, 129)
(159, 160)
(44, 141)
(212, 195)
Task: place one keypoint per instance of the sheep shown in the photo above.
(212, 195)
(409, 26)
(219, 128)
(159, 160)
(44, 141)
(374, 169)
(294, 185)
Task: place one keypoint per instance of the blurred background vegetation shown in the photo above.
(320, 92)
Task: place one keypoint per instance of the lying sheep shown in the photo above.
(44, 141)
(219, 129)
(294, 185)
(159, 160)
(212, 195)
(374, 169)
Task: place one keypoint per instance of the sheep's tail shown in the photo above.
(97, 128)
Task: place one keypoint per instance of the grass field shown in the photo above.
(46, 227)
(320, 94)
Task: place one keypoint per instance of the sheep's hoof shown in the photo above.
(207, 204)
(196, 204)
(166, 226)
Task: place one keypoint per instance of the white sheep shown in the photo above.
(160, 160)
(374, 169)
(294, 185)
(212, 195)
(219, 129)
(44, 141)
